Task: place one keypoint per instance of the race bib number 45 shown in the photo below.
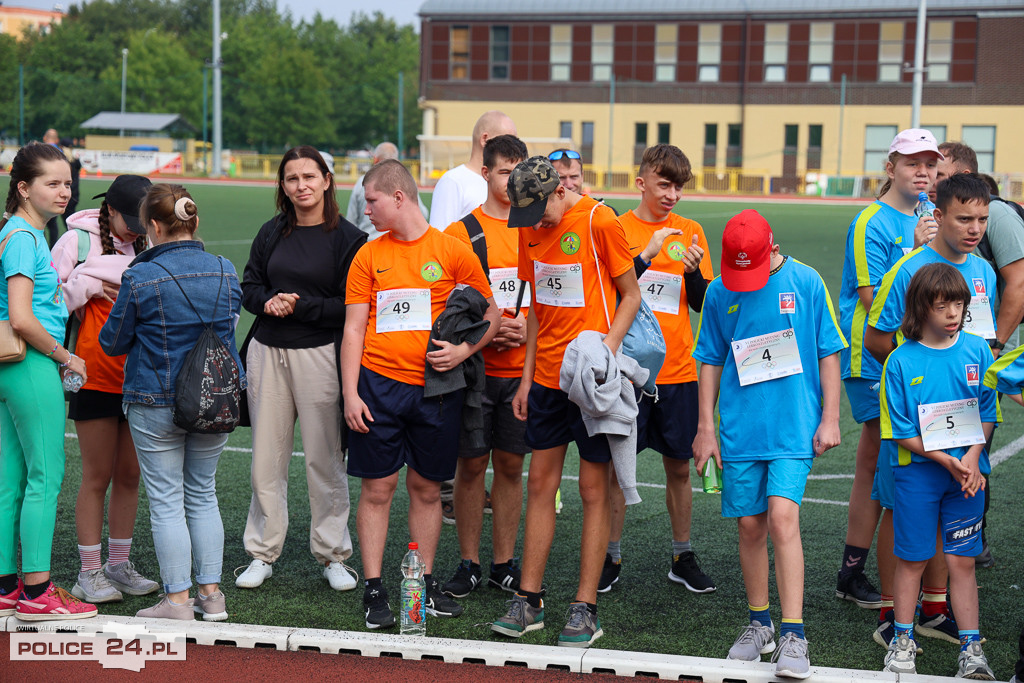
(559, 284)
(950, 424)
(765, 357)
(402, 310)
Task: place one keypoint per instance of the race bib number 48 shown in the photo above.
(505, 285)
(950, 424)
(402, 310)
(559, 284)
(765, 357)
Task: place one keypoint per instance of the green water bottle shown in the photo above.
(711, 477)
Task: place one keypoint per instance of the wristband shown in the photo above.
(68, 361)
(996, 344)
(54, 349)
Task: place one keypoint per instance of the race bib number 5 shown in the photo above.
(950, 424)
(559, 284)
(402, 310)
(765, 357)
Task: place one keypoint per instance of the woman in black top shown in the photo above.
(294, 283)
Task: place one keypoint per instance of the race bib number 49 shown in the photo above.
(402, 310)
(765, 357)
(559, 284)
(950, 424)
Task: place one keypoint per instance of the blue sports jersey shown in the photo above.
(776, 418)
(890, 299)
(915, 375)
(26, 254)
(1006, 374)
(877, 238)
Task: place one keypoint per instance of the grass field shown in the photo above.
(644, 611)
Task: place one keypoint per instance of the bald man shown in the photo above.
(356, 213)
(463, 188)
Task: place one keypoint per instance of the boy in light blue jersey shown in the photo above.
(1006, 375)
(939, 413)
(768, 337)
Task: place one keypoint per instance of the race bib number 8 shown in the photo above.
(559, 284)
(505, 285)
(768, 356)
(978, 318)
(402, 310)
(950, 424)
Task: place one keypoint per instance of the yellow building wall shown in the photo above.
(763, 129)
(14, 20)
(118, 143)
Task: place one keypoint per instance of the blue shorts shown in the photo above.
(864, 401)
(747, 484)
(407, 429)
(553, 420)
(883, 487)
(927, 496)
(670, 425)
(502, 429)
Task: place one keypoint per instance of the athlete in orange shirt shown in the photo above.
(674, 268)
(397, 287)
(503, 435)
(560, 232)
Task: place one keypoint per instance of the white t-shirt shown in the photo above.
(458, 192)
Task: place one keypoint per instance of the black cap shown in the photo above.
(125, 194)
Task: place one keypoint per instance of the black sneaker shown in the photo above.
(378, 611)
(984, 560)
(856, 588)
(438, 604)
(609, 574)
(505, 576)
(686, 571)
(466, 579)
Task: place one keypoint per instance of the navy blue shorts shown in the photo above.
(553, 420)
(670, 425)
(407, 429)
(502, 429)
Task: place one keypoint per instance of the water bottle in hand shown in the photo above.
(924, 206)
(72, 381)
(414, 614)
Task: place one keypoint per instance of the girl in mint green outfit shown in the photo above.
(31, 400)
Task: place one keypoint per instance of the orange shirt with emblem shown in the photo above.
(664, 289)
(502, 252)
(433, 263)
(559, 264)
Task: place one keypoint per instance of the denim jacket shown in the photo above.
(154, 325)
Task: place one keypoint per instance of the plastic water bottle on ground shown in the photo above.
(711, 477)
(414, 621)
(925, 208)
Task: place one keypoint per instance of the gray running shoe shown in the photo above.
(520, 618)
(754, 641)
(583, 627)
(902, 655)
(972, 663)
(213, 607)
(791, 658)
(93, 586)
(166, 610)
(123, 577)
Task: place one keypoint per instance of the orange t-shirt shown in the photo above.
(407, 285)
(559, 264)
(106, 373)
(502, 253)
(664, 289)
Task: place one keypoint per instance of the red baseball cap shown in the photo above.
(746, 252)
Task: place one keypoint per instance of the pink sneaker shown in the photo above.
(9, 602)
(55, 603)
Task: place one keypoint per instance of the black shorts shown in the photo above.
(407, 429)
(89, 404)
(670, 425)
(553, 420)
(502, 430)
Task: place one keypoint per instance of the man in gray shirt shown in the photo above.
(357, 201)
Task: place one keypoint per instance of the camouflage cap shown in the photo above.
(531, 183)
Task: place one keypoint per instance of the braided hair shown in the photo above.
(106, 237)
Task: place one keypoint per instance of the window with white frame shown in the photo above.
(982, 139)
(776, 50)
(499, 53)
(709, 52)
(877, 140)
(561, 51)
(890, 52)
(940, 50)
(602, 44)
(665, 57)
(820, 54)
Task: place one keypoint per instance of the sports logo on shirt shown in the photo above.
(972, 374)
(787, 302)
(979, 286)
(676, 251)
(733, 309)
(917, 380)
(431, 271)
(570, 243)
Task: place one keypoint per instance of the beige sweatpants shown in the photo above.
(285, 384)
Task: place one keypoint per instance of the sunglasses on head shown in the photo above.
(567, 154)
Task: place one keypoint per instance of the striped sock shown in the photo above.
(90, 555)
(885, 613)
(117, 550)
(967, 637)
(901, 629)
(794, 626)
(760, 615)
(933, 601)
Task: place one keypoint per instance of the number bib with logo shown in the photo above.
(978, 318)
(402, 310)
(765, 357)
(662, 291)
(559, 284)
(950, 424)
(505, 287)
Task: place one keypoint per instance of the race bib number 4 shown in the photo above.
(662, 291)
(505, 285)
(768, 356)
(950, 424)
(978, 318)
(559, 284)
(402, 310)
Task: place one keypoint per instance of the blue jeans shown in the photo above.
(179, 470)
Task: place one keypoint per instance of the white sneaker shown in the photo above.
(972, 663)
(338, 576)
(255, 574)
(902, 655)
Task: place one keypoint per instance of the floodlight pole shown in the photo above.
(401, 113)
(217, 132)
(915, 98)
(124, 83)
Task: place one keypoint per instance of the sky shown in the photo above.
(402, 11)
